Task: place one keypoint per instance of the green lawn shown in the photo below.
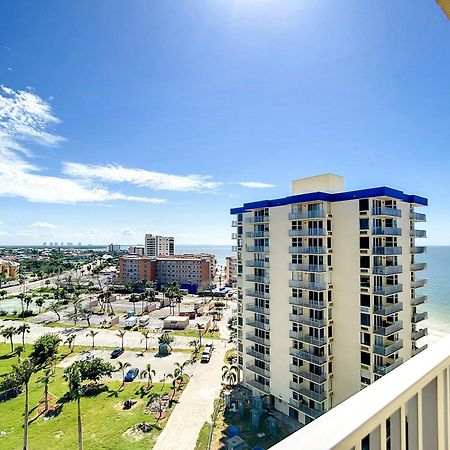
(203, 437)
(104, 421)
(193, 333)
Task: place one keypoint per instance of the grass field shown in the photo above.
(105, 423)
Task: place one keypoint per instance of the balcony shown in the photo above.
(418, 266)
(388, 310)
(418, 283)
(418, 233)
(234, 223)
(314, 413)
(419, 300)
(257, 219)
(387, 270)
(308, 232)
(386, 350)
(387, 251)
(418, 250)
(418, 217)
(384, 369)
(312, 286)
(258, 355)
(258, 340)
(257, 234)
(417, 350)
(317, 214)
(257, 385)
(313, 304)
(257, 324)
(388, 290)
(307, 339)
(234, 248)
(257, 309)
(234, 235)
(300, 371)
(310, 357)
(386, 231)
(416, 335)
(256, 294)
(315, 323)
(389, 329)
(387, 212)
(308, 250)
(418, 317)
(308, 267)
(257, 278)
(257, 248)
(258, 370)
(254, 263)
(317, 396)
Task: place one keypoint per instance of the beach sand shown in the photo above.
(436, 331)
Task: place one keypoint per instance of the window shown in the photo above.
(363, 224)
(365, 320)
(364, 242)
(364, 204)
(365, 358)
(364, 300)
(365, 338)
(364, 262)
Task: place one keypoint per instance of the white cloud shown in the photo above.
(144, 178)
(255, 184)
(43, 225)
(127, 232)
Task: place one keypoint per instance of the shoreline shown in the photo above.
(436, 331)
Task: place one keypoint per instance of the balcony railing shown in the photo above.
(258, 370)
(317, 214)
(234, 223)
(234, 235)
(307, 339)
(254, 263)
(308, 232)
(313, 304)
(308, 267)
(419, 334)
(418, 317)
(257, 234)
(257, 309)
(388, 290)
(257, 324)
(418, 233)
(384, 369)
(312, 286)
(310, 357)
(419, 300)
(418, 283)
(258, 340)
(387, 270)
(419, 217)
(314, 413)
(387, 231)
(300, 371)
(385, 211)
(388, 310)
(257, 385)
(386, 350)
(257, 219)
(418, 250)
(417, 350)
(257, 249)
(257, 294)
(418, 266)
(319, 396)
(308, 250)
(257, 278)
(389, 329)
(316, 323)
(259, 355)
(387, 250)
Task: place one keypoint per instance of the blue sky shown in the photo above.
(120, 118)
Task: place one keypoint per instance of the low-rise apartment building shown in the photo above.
(10, 269)
(231, 270)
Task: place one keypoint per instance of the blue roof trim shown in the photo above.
(382, 191)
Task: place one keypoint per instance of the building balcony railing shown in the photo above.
(254, 263)
(257, 278)
(257, 219)
(258, 340)
(308, 232)
(418, 233)
(388, 310)
(313, 304)
(311, 412)
(384, 369)
(416, 335)
(258, 370)
(387, 270)
(258, 355)
(418, 217)
(418, 250)
(257, 385)
(308, 267)
(257, 234)
(257, 309)
(310, 357)
(234, 235)
(386, 231)
(388, 329)
(387, 251)
(419, 300)
(318, 396)
(388, 290)
(234, 223)
(257, 249)
(316, 214)
(315, 323)
(418, 283)
(307, 339)
(300, 371)
(415, 351)
(256, 294)
(418, 317)
(308, 250)
(386, 350)
(312, 286)
(257, 324)
(385, 211)
(418, 266)
(234, 248)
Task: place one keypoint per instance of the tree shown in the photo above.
(121, 334)
(230, 374)
(45, 380)
(134, 299)
(175, 377)
(45, 348)
(121, 367)
(8, 333)
(166, 339)
(94, 369)
(148, 373)
(39, 303)
(22, 329)
(19, 350)
(55, 306)
(86, 314)
(155, 397)
(199, 328)
(70, 341)
(22, 296)
(28, 301)
(146, 333)
(179, 369)
(196, 344)
(92, 333)
(23, 371)
(73, 377)
(142, 298)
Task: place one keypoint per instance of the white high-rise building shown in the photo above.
(159, 245)
(329, 292)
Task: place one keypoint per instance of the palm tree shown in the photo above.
(22, 296)
(22, 329)
(70, 341)
(199, 328)
(122, 366)
(23, 372)
(145, 333)
(148, 373)
(196, 344)
(8, 333)
(45, 380)
(73, 377)
(142, 298)
(92, 333)
(230, 374)
(175, 376)
(121, 334)
(28, 302)
(158, 398)
(40, 303)
(134, 299)
(19, 350)
(179, 369)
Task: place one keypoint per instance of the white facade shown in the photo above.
(159, 245)
(328, 287)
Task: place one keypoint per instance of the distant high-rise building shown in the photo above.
(159, 245)
(113, 249)
(231, 270)
(136, 250)
(45, 244)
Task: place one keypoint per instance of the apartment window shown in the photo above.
(365, 338)
(364, 262)
(363, 224)
(364, 300)
(365, 380)
(364, 281)
(364, 242)
(365, 358)
(364, 204)
(365, 320)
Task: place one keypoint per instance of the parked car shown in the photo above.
(206, 355)
(116, 352)
(210, 345)
(131, 374)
